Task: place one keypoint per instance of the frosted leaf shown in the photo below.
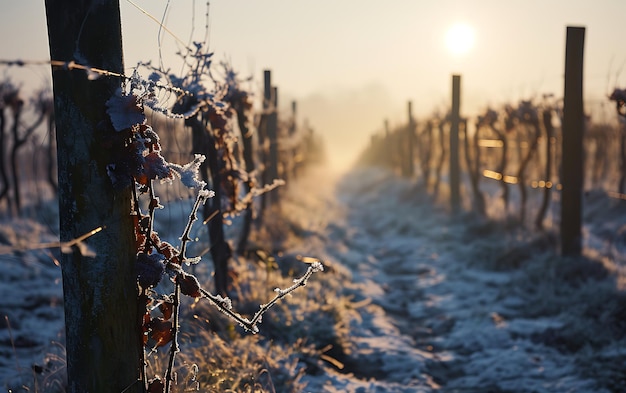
(154, 77)
(188, 173)
(189, 285)
(124, 111)
(150, 269)
(155, 166)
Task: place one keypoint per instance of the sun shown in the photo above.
(460, 39)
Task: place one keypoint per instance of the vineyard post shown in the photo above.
(291, 166)
(263, 149)
(388, 146)
(272, 135)
(573, 126)
(410, 156)
(455, 194)
(103, 338)
(424, 145)
(294, 112)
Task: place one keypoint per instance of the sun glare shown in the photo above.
(460, 39)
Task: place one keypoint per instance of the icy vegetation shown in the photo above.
(411, 300)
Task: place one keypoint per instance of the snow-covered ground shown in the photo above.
(468, 305)
(437, 303)
(31, 303)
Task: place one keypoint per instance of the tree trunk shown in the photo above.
(220, 249)
(473, 166)
(442, 157)
(103, 340)
(535, 133)
(211, 172)
(425, 149)
(248, 156)
(545, 202)
(18, 143)
(503, 164)
(4, 191)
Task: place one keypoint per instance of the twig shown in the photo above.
(174, 348)
(161, 25)
(17, 363)
(225, 305)
(10, 249)
(203, 195)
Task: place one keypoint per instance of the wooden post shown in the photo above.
(262, 139)
(388, 160)
(272, 135)
(573, 127)
(291, 160)
(102, 319)
(294, 112)
(410, 154)
(248, 156)
(455, 178)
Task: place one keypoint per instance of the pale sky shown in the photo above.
(352, 63)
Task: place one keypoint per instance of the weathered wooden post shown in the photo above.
(388, 150)
(573, 127)
(102, 324)
(291, 164)
(410, 140)
(272, 136)
(455, 178)
(263, 140)
(294, 112)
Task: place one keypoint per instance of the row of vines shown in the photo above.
(227, 146)
(513, 152)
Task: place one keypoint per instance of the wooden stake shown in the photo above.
(455, 194)
(573, 126)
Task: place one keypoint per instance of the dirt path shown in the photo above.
(461, 315)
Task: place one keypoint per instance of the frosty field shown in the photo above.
(419, 301)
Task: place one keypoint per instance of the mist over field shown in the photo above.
(347, 117)
(445, 212)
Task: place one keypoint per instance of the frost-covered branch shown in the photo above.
(137, 162)
(225, 305)
(202, 197)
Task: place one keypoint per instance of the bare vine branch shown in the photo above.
(224, 304)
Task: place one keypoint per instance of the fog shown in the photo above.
(347, 117)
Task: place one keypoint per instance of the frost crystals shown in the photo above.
(137, 149)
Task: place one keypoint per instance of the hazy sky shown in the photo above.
(352, 63)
